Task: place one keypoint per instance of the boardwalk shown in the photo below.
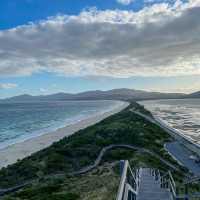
(126, 146)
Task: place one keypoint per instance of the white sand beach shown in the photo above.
(12, 153)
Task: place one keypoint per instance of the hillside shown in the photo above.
(115, 94)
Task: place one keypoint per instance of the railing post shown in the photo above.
(138, 178)
(177, 193)
(121, 166)
(156, 175)
(186, 192)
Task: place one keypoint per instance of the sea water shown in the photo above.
(24, 120)
(180, 114)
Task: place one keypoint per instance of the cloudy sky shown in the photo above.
(75, 45)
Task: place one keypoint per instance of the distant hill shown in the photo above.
(194, 95)
(115, 94)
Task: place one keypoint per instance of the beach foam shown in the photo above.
(20, 150)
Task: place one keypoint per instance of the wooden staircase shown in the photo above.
(150, 188)
(150, 184)
(145, 184)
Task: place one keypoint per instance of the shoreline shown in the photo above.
(186, 141)
(51, 129)
(177, 134)
(181, 148)
(12, 153)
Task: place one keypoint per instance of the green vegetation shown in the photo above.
(50, 168)
(101, 183)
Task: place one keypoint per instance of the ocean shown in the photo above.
(180, 114)
(24, 120)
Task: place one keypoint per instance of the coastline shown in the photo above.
(181, 148)
(12, 153)
(177, 134)
(186, 141)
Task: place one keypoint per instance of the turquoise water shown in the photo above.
(21, 121)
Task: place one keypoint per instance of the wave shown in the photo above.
(25, 121)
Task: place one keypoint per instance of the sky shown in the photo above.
(77, 45)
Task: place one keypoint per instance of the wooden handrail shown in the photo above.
(172, 179)
(122, 181)
(166, 181)
(125, 186)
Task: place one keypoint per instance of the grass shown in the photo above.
(100, 184)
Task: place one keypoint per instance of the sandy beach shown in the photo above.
(12, 153)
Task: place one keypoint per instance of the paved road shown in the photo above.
(182, 154)
(162, 125)
(180, 149)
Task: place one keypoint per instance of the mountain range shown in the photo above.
(194, 95)
(115, 94)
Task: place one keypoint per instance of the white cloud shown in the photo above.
(159, 40)
(125, 2)
(43, 90)
(7, 85)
